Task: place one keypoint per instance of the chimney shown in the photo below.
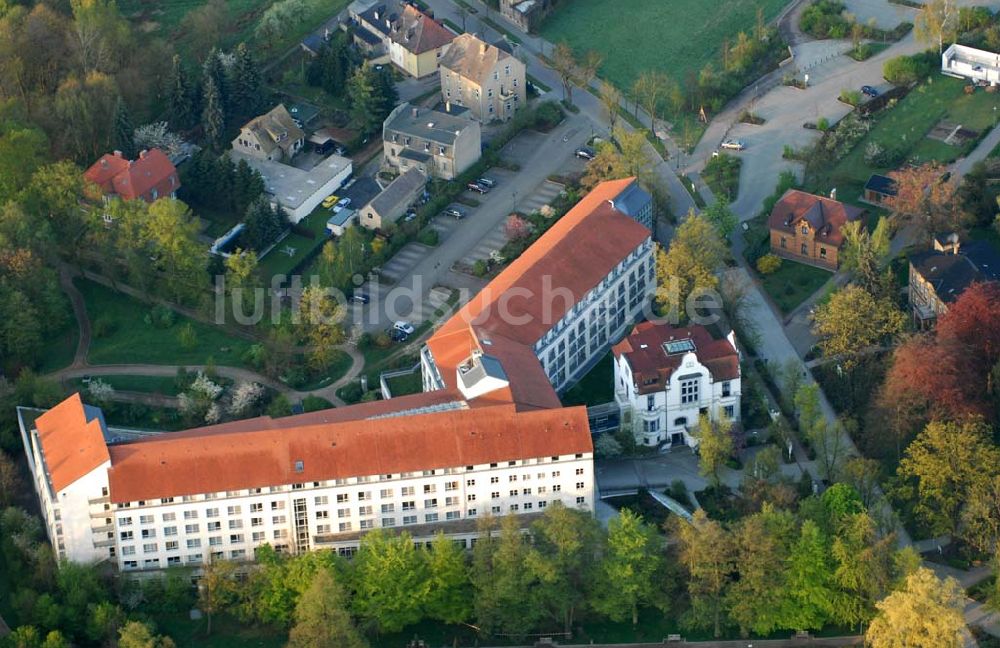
(947, 244)
(142, 154)
(413, 111)
(833, 194)
(118, 154)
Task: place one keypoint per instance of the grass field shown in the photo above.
(906, 126)
(278, 262)
(403, 385)
(675, 38)
(164, 385)
(793, 283)
(131, 340)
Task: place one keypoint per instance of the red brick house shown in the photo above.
(149, 177)
(807, 228)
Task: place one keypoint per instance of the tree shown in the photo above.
(202, 26)
(937, 22)
(924, 199)
(180, 104)
(449, 593)
(103, 35)
(320, 318)
(695, 253)
(927, 613)
(240, 268)
(562, 560)
(171, 233)
(505, 592)
(630, 569)
(715, 447)
(809, 580)
(390, 581)
(372, 95)
(85, 109)
(10, 480)
(589, 66)
(135, 634)
(262, 224)
(564, 63)
(863, 565)
(611, 99)
(54, 194)
(723, 218)
(707, 553)
(213, 116)
(23, 148)
(321, 616)
(623, 157)
(650, 88)
(516, 227)
(217, 589)
(971, 322)
(863, 475)
(757, 600)
(943, 466)
(853, 321)
(864, 253)
(247, 86)
(122, 135)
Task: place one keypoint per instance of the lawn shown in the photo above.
(165, 385)
(131, 340)
(278, 262)
(227, 632)
(650, 38)
(793, 283)
(722, 175)
(595, 388)
(408, 384)
(60, 349)
(905, 127)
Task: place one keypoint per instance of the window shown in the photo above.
(280, 533)
(344, 527)
(126, 535)
(367, 524)
(215, 541)
(234, 510)
(512, 478)
(128, 550)
(191, 528)
(689, 391)
(169, 517)
(494, 480)
(557, 488)
(429, 488)
(805, 228)
(409, 519)
(579, 471)
(170, 531)
(236, 538)
(145, 519)
(784, 242)
(430, 503)
(212, 512)
(237, 554)
(527, 491)
(409, 505)
(495, 495)
(471, 497)
(542, 504)
(514, 493)
(408, 491)
(650, 402)
(514, 507)
(726, 389)
(277, 505)
(542, 490)
(125, 521)
(131, 564)
(278, 519)
(214, 526)
(256, 508)
(364, 510)
(341, 498)
(822, 253)
(451, 501)
(257, 536)
(322, 515)
(453, 515)
(385, 493)
(730, 411)
(581, 500)
(256, 521)
(235, 524)
(805, 249)
(194, 543)
(450, 486)
(431, 517)
(579, 485)
(149, 548)
(470, 482)
(388, 522)
(470, 513)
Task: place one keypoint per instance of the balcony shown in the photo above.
(104, 528)
(106, 542)
(105, 499)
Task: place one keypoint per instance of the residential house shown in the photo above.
(807, 228)
(878, 190)
(483, 78)
(425, 463)
(441, 144)
(551, 314)
(274, 136)
(413, 41)
(152, 175)
(387, 207)
(971, 63)
(667, 377)
(940, 275)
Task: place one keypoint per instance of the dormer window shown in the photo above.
(805, 229)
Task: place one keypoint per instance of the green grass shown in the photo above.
(793, 283)
(907, 125)
(165, 385)
(277, 262)
(596, 387)
(60, 349)
(408, 384)
(227, 632)
(676, 39)
(131, 340)
(338, 367)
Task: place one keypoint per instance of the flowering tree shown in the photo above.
(245, 396)
(517, 227)
(157, 135)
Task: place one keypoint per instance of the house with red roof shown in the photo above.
(152, 175)
(808, 228)
(666, 377)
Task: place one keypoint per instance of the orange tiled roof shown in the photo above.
(171, 465)
(133, 179)
(824, 215)
(652, 366)
(418, 33)
(73, 445)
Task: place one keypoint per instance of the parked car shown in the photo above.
(360, 298)
(409, 216)
(478, 188)
(585, 153)
(330, 201)
(733, 145)
(326, 147)
(404, 327)
(869, 91)
(397, 336)
(487, 182)
(455, 212)
(344, 202)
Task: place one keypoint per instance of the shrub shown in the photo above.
(479, 268)
(365, 341)
(850, 97)
(351, 393)
(382, 340)
(315, 403)
(548, 115)
(428, 237)
(768, 264)
(103, 326)
(823, 124)
(904, 70)
(160, 316)
(187, 337)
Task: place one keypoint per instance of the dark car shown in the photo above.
(478, 188)
(398, 336)
(585, 153)
(869, 91)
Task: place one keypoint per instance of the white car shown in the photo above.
(404, 327)
(733, 145)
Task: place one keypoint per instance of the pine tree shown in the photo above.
(213, 117)
(180, 104)
(364, 101)
(213, 68)
(385, 91)
(121, 135)
(246, 95)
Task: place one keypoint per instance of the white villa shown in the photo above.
(667, 377)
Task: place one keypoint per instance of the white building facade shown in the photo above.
(94, 518)
(666, 378)
(971, 63)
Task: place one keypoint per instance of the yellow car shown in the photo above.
(330, 201)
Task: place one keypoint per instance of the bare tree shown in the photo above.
(588, 68)
(564, 63)
(650, 89)
(611, 99)
(936, 23)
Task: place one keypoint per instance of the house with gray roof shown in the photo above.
(484, 78)
(438, 143)
(274, 136)
(393, 201)
(940, 275)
